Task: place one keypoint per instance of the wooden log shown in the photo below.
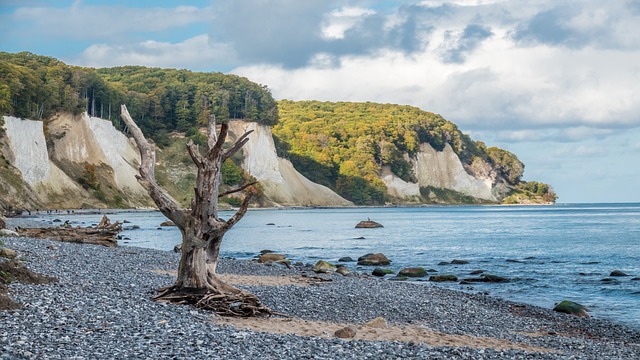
(104, 236)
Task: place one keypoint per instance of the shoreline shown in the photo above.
(102, 302)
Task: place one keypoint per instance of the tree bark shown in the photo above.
(201, 228)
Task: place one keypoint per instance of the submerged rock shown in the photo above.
(373, 260)
(345, 259)
(572, 308)
(398, 278)
(413, 272)
(368, 224)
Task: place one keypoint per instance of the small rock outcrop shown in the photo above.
(368, 224)
(378, 259)
(458, 262)
(572, 308)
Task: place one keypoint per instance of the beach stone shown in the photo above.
(52, 247)
(381, 272)
(324, 267)
(413, 272)
(458, 262)
(572, 308)
(368, 224)
(618, 273)
(8, 253)
(377, 323)
(343, 270)
(373, 260)
(167, 223)
(270, 257)
(345, 259)
(347, 332)
(443, 278)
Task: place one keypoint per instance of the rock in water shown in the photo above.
(368, 224)
(381, 272)
(413, 272)
(458, 262)
(373, 260)
(167, 223)
(618, 273)
(324, 267)
(346, 332)
(443, 278)
(572, 308)
(270, 257)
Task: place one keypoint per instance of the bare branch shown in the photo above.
(239, 144)
(222, 137)
(165, 203)
(241, 211)
(194, 152)
(236, 190)
(212, 136)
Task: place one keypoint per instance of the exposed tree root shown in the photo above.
(239, 304)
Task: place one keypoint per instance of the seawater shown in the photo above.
(550, 253)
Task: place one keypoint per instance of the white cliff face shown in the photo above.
(84, 139)
(29, 148)
(282, 183)
(397, 187)
(443, 169)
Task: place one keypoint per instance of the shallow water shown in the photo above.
(550, 253)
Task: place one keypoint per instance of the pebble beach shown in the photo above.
(101, 308)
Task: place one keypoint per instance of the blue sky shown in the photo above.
(555, 82)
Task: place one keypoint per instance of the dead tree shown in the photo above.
(201, 228)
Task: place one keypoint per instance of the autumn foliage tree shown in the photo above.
(201, 227)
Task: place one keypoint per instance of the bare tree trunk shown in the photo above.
(202, 230)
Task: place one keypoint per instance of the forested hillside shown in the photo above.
(161, 100)
(343, 145)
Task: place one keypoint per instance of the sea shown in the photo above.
(549, 253)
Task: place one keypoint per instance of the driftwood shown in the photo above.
(104, 234)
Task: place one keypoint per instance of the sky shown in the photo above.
(556, 82)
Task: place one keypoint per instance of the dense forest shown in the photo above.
(160, 100)
(341, 145)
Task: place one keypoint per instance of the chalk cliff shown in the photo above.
(82, 161)
(283, 185)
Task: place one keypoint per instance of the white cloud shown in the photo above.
(193, 53)
(338, 22)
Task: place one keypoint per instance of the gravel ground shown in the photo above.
(101, 309)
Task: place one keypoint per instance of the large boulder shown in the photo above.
(413, 272)
(572, 308)
(324, 267)
(374, 260)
